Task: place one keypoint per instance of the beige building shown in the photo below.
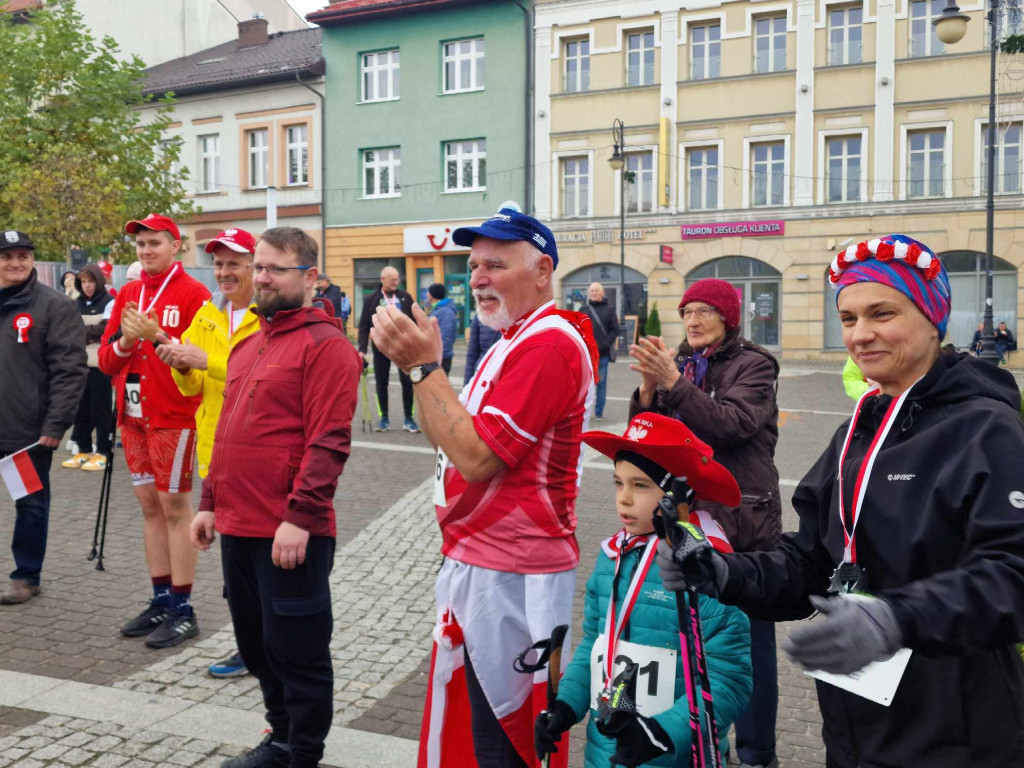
(761, 138)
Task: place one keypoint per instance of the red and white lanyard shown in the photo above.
(394, 301)
(142, 293)
(861, 486)
(541, 312)
(613, 629)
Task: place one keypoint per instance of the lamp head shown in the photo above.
(616, 161)
(951, 25)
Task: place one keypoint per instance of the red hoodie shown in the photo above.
(285, 429)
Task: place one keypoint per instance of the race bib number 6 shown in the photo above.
(133, 400)
(440, 464)
(655, 682)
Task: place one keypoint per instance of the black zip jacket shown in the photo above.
(370, 304)
(941, 534)
(42, 380)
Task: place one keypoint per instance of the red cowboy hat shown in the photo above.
(671, 445)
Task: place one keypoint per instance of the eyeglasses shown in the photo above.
(701, 313)
(259, 269)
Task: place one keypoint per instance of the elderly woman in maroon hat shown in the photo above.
(723, 386)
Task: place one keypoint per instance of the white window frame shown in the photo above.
(947, 160)
(392, 163)
(475, 56)
(706, 47)
(209, 164)
(772, 37)
(932, 39)
(641, 33)
(787, 159)
(373, 64)
(980, 137)
(477, 152)
(556, 180)
(580, 59)
(560, 164)
(822, 180)
(175, 169)
(638, 149)
(253, 155)
(684, 173)
(296, 147)
(846, 27)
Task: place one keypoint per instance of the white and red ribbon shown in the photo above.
(613, 628)
(22, 323)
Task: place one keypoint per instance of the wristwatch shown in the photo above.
(419, 372)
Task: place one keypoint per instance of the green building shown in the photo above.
(425, 129)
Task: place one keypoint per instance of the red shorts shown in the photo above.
(161, 456)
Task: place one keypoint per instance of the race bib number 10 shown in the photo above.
(655, 682)
(132, 400)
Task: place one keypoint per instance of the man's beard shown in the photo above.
(270, 304)
(499, 319)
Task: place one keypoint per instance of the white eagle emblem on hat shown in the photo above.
(230, 232)
(11, 236)
(636, 433)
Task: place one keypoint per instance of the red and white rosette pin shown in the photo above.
(22, 323)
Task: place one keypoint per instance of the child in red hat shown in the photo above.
(627, 603)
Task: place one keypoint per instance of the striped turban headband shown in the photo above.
(902, 263)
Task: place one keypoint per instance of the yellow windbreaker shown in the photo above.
(209, 330)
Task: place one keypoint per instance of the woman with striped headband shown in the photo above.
(911, 538)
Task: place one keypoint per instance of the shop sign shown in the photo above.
(666, 254)
(765, 228)
(437, 238)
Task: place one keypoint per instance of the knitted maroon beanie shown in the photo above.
(718, 294)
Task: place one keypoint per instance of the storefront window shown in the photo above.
(759, 287)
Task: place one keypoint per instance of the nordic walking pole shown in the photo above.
(705, 682)
(103, 510)
(551, 655)
(366, 405)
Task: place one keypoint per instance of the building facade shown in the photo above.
(426, 130)
(762, 137)
(248, 118)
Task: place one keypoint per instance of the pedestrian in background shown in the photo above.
(447, 320)
(723, 387)
(346, 309)
(481, 339)
(388, 295)
(606, 334)
(273, 476)
(94, 410)
(976, 341)
(42, 374)
(67, 283)
(325, 289)
(915, 506)
(1004, 341)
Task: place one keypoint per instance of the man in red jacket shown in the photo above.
(281, 443)
(157, 422)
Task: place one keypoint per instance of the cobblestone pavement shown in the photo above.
(382, 589)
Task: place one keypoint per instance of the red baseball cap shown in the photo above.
(154, 221)
(105, 268)
(672, 446)
(238, 240)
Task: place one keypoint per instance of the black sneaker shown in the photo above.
(146, 622)
(176, 628)
(266, 755)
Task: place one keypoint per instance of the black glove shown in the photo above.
(549, 727)
(699, 567)
(640, 741)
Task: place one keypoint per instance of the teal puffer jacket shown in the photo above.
(654, 622)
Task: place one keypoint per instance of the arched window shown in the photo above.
(575, 284)
(758, 286)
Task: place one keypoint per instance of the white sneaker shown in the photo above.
(72, 446)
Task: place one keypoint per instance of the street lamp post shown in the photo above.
(951, 27)
(617, 161)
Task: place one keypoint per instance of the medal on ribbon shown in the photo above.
(22, 323)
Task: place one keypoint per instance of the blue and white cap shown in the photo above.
(511, 224)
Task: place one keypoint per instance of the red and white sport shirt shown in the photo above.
(530, 399)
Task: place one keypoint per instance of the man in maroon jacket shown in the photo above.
(281, 443)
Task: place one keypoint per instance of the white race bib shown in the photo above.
(133, 399)
(656, 679)
(440, 463)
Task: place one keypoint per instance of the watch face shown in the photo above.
(416, 374)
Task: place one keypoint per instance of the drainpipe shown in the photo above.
(323, 167)
(528, 149)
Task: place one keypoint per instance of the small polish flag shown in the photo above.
(716, 536)
(20, 474)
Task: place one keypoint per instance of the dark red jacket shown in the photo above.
(285, 429)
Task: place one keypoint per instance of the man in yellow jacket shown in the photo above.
(199, 364)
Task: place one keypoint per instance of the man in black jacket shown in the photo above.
(42, 346)
(325, 289)
(606, 334)
(389, 294)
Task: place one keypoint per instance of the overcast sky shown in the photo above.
(307, 6)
